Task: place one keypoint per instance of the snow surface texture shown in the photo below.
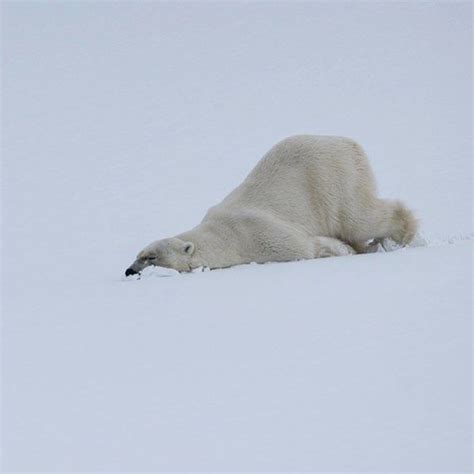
(123, 123)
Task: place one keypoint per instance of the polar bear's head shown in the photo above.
(170, 253)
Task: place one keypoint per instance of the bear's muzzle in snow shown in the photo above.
(130, 271)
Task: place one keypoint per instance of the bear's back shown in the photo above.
(304, 179)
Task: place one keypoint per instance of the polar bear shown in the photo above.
(308, 197)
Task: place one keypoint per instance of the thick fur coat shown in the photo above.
(308, 197)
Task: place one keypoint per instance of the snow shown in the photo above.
(122, 123)
(264, 367)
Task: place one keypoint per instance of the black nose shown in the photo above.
(129, 272)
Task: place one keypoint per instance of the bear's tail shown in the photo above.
(404, 224)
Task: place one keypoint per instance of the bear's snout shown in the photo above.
(130, 271)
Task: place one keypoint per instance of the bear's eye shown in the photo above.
(152, 257)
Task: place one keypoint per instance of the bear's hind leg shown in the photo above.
(329, 247)
(367, 247)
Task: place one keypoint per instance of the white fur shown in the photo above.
(308, 197)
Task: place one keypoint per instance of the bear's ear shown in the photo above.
(188, 248)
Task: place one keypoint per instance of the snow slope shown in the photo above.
(354, 362)
(122, 123)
